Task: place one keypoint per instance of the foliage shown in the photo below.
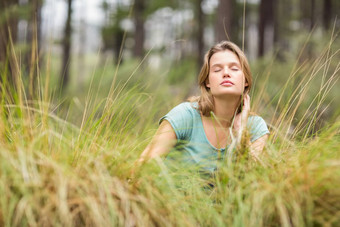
(302, 88)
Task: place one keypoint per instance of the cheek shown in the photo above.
(244, 81)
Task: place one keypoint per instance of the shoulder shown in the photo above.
(182, 118)
(257, 127)
(255, 119)
(187, 106)
(185, 109)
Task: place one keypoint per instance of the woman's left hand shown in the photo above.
(241, 118)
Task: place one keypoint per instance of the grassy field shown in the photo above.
(66, 160)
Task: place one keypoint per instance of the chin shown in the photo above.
(228, 94)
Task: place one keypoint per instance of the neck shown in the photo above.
(225, 109)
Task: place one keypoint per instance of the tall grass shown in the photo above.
(58, 172)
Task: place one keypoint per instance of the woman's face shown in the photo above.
(225, 75)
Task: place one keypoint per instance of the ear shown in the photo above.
(245, 88)
(207, 84)
(245, 83)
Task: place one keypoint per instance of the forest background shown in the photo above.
(84, 37)
(83, 84)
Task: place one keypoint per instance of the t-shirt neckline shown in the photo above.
(205, 135)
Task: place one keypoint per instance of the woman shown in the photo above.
(215, 121)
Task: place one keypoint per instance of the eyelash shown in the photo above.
(233, 69)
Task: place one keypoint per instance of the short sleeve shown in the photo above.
(181, 120)
(257, 127)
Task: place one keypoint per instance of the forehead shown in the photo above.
(224, 57)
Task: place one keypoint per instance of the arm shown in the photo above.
(257, 146)
(161, 143)
(240, 123)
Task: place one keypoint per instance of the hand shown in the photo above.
(240, 121)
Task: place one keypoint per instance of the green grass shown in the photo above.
(66, 161)
(53, 173)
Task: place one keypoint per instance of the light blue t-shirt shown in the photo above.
(192, 142)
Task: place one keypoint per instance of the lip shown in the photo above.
(227, 83)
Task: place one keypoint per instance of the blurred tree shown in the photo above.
(139, 10)
(282, 17)
(327, 13)
(200, 33)
(307, 17)
(224, 20)
(319, 13)
(82, 42)
(112, 32)
(266, 25)
(237, 21)
(67, 44)
(142, 9)
(277, 24)
(312, 14)
(117, 12)
(8, 33)
(33, 42)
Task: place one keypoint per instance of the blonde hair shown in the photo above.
(205, 100)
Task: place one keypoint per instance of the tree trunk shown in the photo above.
(139, 8)
(262, 27)
(312, 15)
(34, 43)
(327, 13)
(8, 34)
(200, 33)
(281, 15)
(118, 42)
(307, 8)
(66, 48)
(223, 20)
(266, 22)
(276, 22)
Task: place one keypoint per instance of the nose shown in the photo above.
(226, 72)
